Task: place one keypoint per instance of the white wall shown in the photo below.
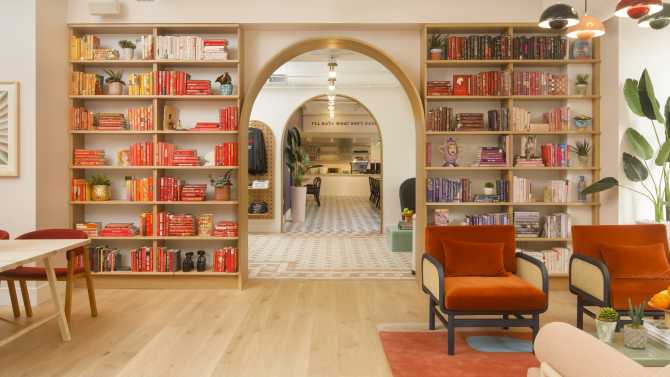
(389, 106)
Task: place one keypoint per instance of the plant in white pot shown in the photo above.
(647, 167)
(127, 49)
(489, 188)
(582, 84)
(114, 82)
(634, 333)
(436, 46)
(606, 324)
(297, 162)
(582, 149)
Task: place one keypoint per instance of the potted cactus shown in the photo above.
(436, 46)
(100, 188)
(114, 82)
(581, 84)
(128, 49)
(634, 334)
(222, 185)
(606, 324)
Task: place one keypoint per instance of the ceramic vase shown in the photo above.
(128, 53)
(226, 89)
(100, 193)
(201, 264)
(115, 88)
(187, 265)
(635, 337)
(583, 161)
(222, 193)
(605, 330)
(581, 89)
(298, 199)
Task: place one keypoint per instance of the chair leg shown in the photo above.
(69, 285)
(580, 313)
(431, 314)
(12, 297)
(26, 298)
(89, 285)
(318, 199)
(451, 329)
(536, 325)
(505, 317)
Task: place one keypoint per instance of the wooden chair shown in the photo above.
(10, 284)
(67, 274)
(314, 188)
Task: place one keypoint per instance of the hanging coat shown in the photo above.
(258, 163)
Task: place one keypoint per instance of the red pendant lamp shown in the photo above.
(636, 9)
(587, 28)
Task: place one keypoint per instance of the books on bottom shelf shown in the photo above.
(556, 259)
(225, 260)
(104, 259)
(169, 260)
(142, 259)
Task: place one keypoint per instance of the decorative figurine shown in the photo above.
(528, 146)
(201, 264)
(449, 151)
(187, 266)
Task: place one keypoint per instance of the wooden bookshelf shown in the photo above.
(207, 108)
(443, 69)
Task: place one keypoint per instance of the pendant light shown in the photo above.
(636, 9)
(658, 20)
(587, 28)
(558, 17)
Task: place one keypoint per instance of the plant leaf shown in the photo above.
(667, 118)
(602, 185)
(640, 145)
(634, 169)
(663, 154)
(650, 106)
(632, 96)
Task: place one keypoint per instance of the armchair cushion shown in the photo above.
(473, 259)
(35, 273)
(624, 261)
(638, 290)
(507, 293)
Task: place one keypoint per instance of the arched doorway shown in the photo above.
(361, 47)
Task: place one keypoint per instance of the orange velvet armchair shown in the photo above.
(600, 279)
(513, 295)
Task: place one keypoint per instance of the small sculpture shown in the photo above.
(201, 264)
(187, 266)
(449, 151)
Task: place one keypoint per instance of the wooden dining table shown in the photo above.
(14, 253)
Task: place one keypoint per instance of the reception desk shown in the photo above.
(343, 184)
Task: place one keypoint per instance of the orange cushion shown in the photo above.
(638, 290)
(635, 261)
(507, 293)
(473, 259)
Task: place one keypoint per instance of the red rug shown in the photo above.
(424, 354)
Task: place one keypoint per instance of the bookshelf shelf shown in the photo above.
(466, 168)
(502, 62)
(504, 204)
(502, 98)
(466, 133)
(200, 108)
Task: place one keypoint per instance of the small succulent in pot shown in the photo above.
(489, 188)
(606, 323)
(114, 82)
(583, 121)
(128, 48)
(226, 84)
(581, 84)
(222, 185)
(583, 150)
(436, 46)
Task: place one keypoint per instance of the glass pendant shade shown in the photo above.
(558, 17)
(636, 9)
(587, 28)
(658, 20)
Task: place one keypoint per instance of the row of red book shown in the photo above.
(142, 259)
(226, 154)
(139, 189)
(89, 157)
(119, 230)
(225, 260)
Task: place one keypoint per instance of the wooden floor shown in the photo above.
(273, 328)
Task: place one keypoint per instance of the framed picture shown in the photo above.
(9, 129)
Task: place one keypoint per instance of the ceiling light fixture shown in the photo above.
(658, 20)
(558, 17)
(587, 28)
(331, 85)
(637, 9)
(332, 65)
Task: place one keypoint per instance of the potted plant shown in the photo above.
(436, 46)
(128, 49)
(407, 215)
(634, 333)
(489, 188)
(652, 183)
(100, 191)
(581, 84)
(583, 121)
(297, 162)
(582, 149)
(606, 324)
(222, 185)
(225, 83)
(114, 82)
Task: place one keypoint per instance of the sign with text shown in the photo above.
(349, 124)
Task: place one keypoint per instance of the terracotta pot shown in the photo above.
(436, 54)
(222, 193)
(115, 88)
(298, 202)
(100, 193)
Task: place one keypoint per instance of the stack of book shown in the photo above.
(523, 190)
(197, 87)
(469, 122)
(225, 229)
(445, 190)
(91, 229)
(440, 119)
(169, 260)
(170, 224)
(104, 259)
(169, 189)
(119, 230)
(142, 259)
(527, 162)
(478, 47)
(557, 226)
(228, 118)
(490, 83)
(80, 118)
(439, 88)
(89, 157)
(225, 260)
(139, 189)
(141, 154)
(193, 192)
(557, 191)
(105, 54)
(520, 119)
(81, 190)
(206, 126)
(169, 155)
(527, 224)
(540, 84)
(558, 119)
(539, 47)
(487, 219)
(85, 84)
(491, 156)
(141, 118)
(215, 49)
(147, 223)
(555, 155)
(498, 120)
(110, 122)
(81, 48)
(141, 84)
(226, 154)
(557, 259)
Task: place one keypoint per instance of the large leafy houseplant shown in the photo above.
(647, 164)
(297, 159)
